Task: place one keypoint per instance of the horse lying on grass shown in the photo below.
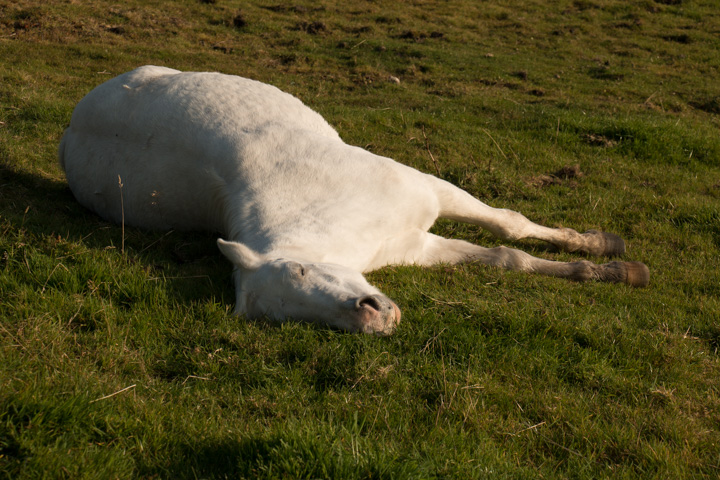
(304, 213)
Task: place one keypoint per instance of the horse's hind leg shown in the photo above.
(457, 204)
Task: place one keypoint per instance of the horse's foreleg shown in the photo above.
(442, 250)
(457, 204)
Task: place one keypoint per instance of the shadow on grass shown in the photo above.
(229, 457)
(35, 208)
(290, 455)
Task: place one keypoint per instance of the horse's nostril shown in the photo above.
(369, 302)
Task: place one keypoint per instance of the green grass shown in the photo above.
(128, 363)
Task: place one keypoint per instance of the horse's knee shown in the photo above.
(512, 227)
(511, 259)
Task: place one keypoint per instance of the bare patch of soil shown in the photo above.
(567, 175)
(598, 140)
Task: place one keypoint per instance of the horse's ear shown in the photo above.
(241, 255)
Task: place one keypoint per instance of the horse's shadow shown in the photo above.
(35, 208)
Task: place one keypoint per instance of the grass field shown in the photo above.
(119, 356)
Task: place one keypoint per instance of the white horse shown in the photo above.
(304, 213)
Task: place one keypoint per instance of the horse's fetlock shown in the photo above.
(583, 271)
(572, 240)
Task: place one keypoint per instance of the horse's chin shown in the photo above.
(379, 321)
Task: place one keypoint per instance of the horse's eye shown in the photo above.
(298, 269)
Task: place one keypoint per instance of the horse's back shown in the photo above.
(174, 140)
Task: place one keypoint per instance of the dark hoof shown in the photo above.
(604, 244)
(635, 274)
(638, 274)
